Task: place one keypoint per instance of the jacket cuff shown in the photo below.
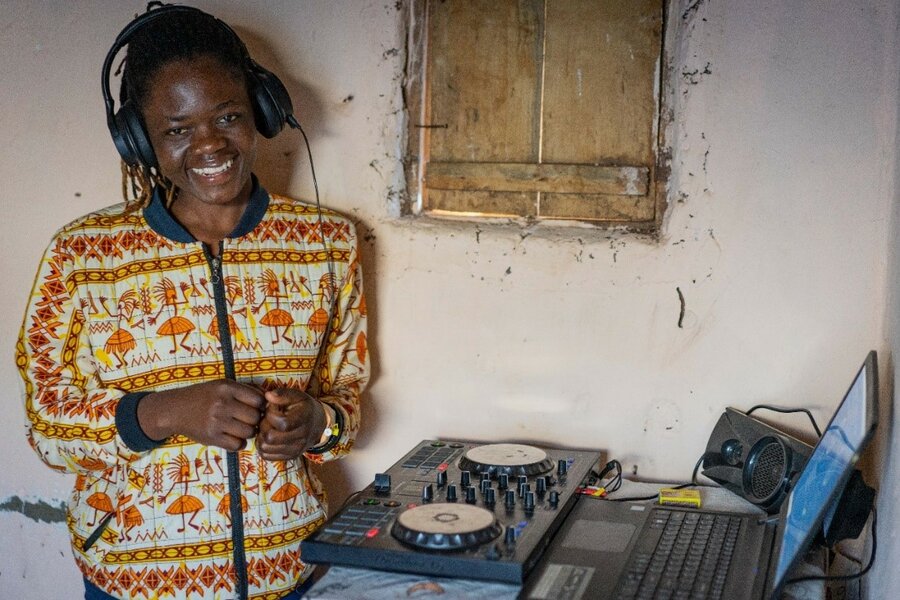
(127, 423)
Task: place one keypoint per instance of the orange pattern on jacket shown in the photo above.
(118, 308)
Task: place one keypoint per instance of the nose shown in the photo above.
(208, 140)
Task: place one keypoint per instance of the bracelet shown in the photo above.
(331, 428)
(333, 431)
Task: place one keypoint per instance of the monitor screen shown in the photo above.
(815, 493)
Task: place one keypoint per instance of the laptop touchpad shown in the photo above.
(602, 536)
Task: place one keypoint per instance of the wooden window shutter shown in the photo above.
(541, 109)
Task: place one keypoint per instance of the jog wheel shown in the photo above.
(446, 526)
(511, 459)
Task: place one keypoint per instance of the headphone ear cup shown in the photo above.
(131, 138)
(121, 138)
(271, 101)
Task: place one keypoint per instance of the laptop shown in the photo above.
(606, 549)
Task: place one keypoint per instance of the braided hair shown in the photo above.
(176, 36)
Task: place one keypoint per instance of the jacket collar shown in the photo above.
(163, 223)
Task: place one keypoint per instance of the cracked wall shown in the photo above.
(767, 284)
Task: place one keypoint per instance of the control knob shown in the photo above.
(509, 537)
(553, 499)
(529, 502)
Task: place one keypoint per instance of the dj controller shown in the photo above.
(456, 509)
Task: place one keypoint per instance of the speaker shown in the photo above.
(272, 106)
(850, 513)
(753, 459)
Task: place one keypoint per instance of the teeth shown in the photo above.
(214, 170)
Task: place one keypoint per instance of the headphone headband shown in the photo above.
(271, 102)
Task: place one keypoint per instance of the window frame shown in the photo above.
(418, 130)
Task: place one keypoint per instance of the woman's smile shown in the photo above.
(200, 122)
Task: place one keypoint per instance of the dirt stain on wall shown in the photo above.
(36, 511)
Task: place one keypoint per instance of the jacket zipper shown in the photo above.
(234, 473)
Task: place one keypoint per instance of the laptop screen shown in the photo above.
(814, 496)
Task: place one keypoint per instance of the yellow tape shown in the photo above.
(674, 497)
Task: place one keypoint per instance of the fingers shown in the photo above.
(280, 445)
(288, 418)
(276, 437)
(280, 455)
(243, 414)
(241, 429)
(231, 443)
(287, 430)
(220, 413)
(246, 394)
(281, 420)
(287, 396)
(243, 408)
(289, 409)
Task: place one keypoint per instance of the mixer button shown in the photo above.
(382, 483)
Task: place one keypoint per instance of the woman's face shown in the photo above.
(200, 122)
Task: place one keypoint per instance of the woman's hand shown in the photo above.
(293, 422)
(220, 413)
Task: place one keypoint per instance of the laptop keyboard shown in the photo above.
(685, 557)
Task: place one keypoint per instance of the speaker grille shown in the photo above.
(768, 472)
(765, 470)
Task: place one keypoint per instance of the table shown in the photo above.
(346, 583)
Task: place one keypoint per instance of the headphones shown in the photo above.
(271, 102)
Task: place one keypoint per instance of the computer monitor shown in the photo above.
(814, 497)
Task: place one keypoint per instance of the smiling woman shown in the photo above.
(200, 124)
(150, 365)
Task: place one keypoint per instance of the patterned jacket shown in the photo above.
(127, 304)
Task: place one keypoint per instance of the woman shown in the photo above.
(188, 352)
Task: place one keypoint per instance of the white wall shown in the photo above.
(886, 460)
(784, 169)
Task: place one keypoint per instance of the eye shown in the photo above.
(176, 131)
(229, 118)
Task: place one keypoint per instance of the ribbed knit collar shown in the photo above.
(163, 223)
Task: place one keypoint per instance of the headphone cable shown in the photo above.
(332, 277)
